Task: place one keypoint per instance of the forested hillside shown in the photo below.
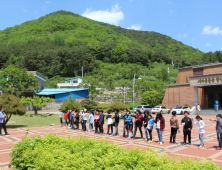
(61, 42)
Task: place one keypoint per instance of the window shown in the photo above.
(139, 107)
(163, 108)
(75, 81)
(157, 107)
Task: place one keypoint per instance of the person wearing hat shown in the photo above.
(187, 124)
(218, 129)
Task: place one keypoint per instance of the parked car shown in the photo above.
(160, 109)
(142, 108)
(181, 109)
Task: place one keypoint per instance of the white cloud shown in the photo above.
(208, 44)
(209, 30)
(135, 27)
(113, 16)
(47, 2)
(185, 35)
(24, 10)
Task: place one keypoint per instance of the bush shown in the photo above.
(103, 106)
(12, 105)
(187, 105)
(152, 97)
(52, 152)
(130, 104)
(88, 104)
(117, 105)
(71, 104)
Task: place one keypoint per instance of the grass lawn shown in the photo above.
(30, 120)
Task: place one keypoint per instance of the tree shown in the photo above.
(71, 104)
(36, 102)
(91, 83)
(117, 105)
(152, 97)
(15, 80)
(88, 104)
(12, 105)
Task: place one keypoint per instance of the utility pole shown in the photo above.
(133, 92)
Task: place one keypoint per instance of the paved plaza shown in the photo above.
(208, 152)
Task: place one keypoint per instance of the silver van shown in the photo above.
(142, 108)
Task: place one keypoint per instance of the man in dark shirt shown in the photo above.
(186, 122)
(77, 119)
(218, 120)
(101, 122)
(116, 116)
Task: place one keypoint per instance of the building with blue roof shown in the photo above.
(64, 94)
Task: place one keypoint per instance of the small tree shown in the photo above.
(71, 104)
(12, 105)
(36, 102)
(88, 104)
(117, 105)
(15, 80)
(152, 97)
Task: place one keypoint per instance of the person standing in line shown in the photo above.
(186, 122)
(150, 123)
(160, 126)
(91, 120)
(125, 127)
(138, 123)
(116, 117)
(2, 121)
(198, 109)
(96, 120)
(77, 119)
(84, 117)
(130, 125)
(72, 119)
(145, 121)
(61, 117)
(81, 119)
(174, 124)
(110, 123)
(101, 122)
(201, 129)
(66, 117)
(218, 129)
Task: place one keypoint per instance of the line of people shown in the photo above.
(133, 122)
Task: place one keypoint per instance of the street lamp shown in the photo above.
(133, 90)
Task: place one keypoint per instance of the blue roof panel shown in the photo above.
(58, 91)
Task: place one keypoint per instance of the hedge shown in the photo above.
(53, 152)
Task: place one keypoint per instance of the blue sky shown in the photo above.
(196, 23)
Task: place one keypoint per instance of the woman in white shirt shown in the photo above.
(201, 129)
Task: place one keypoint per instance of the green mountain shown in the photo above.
(62, 42)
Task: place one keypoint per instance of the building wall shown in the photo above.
(39, 77)
(180, 95)
(212, 70)
(75, 94)
(183, 75)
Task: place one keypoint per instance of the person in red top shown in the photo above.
(138, 123)
(66, 117)
(96, 120)
(160, 126)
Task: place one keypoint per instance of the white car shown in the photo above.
(181, 109)
(160, 109)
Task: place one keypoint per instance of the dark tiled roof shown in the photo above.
(203, 65)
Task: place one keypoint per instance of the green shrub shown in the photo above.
(88, 104)
(117, 105)
(187, 105)
(71, 104)
(130, 104)
(53, 152)
(103, 105)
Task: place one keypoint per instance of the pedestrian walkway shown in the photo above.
(208, 152)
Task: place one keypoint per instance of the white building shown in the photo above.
(70, 83)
